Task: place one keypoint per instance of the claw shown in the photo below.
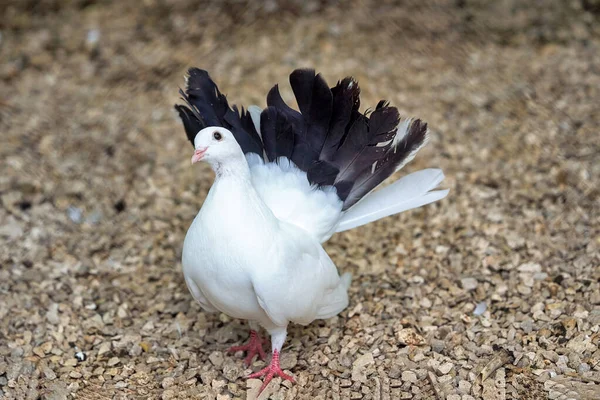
(253, 347)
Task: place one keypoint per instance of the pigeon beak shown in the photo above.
(198, 154)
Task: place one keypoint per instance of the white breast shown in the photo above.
(221, 247)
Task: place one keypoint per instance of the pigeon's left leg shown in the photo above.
(254, 345)
(273, 369)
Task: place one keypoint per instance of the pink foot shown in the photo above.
(253, 347)
(272, 370)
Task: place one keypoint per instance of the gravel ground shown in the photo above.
(491, 293)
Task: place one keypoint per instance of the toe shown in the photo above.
(234, 349)
(258, 374)
(286, 376)
(266, 381)
(261, 353)
(249, 358)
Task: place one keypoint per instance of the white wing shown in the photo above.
(286, 191)
(301, 283)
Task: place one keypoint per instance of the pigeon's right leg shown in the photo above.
(273, 369)
(254, 345)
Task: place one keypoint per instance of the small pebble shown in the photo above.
(464, 386)
(344, 383)
(360, 367)
(530, 268)
(52, 314)
(437, 345)
(104, 349)
(75, 374)
(527, 326)
(75, 214)
(135, 350)
(49, 374)
(469, 283)
(445, 368)
(583, 368)
(409, 376)
(216, 358)
(93, 36)
(113, 361)
(408, 336)
(480, 308)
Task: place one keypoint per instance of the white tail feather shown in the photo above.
(411, 191)
(255, 115)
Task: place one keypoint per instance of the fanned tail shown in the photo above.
(329, 139)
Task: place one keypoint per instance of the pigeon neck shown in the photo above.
(233, 168)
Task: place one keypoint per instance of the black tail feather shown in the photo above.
(346, 102)
(274, 100)
(207, 106)
(396, 155)
(314, 100)
(191, 122)
(277, 134)
(204, 95)
(311, 125)
(322, 173)
(363, 146)
(242, 127)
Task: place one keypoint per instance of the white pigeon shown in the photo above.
(285, 182)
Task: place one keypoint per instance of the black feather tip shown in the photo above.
(207, 106)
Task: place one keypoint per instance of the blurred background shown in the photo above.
(492, 290)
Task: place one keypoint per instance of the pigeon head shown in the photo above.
(216, 145)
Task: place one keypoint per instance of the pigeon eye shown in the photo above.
(218, 136)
